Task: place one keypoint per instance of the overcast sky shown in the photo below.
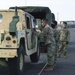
(63, 9)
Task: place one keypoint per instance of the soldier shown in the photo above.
(49, 42)
(47, 39)
(64, 38)
(56, 37)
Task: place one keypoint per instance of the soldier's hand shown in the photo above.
(38, 31)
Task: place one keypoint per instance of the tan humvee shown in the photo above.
(17, 39)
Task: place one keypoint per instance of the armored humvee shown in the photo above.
(39, 12)
(16, 35)
(17, 39)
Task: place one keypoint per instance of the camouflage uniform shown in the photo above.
(56, 37)
(47, 33)
(64, 37)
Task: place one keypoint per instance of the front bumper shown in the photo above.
(8, 53)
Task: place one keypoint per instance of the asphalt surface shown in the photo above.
(63, 67)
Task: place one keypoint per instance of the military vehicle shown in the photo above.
(53, 16)
(39, 12)
(17, 39)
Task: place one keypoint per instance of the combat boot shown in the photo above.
(49, 68)
(65, 54)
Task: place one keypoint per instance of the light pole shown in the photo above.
(25, 2)
(57, 17)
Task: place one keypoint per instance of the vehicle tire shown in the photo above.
(35, 56)
(16, 65)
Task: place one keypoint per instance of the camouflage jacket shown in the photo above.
(64, 35)
(47, 34)
(56, 35)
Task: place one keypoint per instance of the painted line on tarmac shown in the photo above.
(42, 69)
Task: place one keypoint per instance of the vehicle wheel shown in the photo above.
(16, 65)
(35, 57)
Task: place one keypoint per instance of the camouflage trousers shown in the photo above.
(62, 48)
(56, 50)
(50, 54)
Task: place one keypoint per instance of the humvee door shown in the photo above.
(30, 36)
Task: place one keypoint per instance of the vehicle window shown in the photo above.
(28, 22)
(33, 23)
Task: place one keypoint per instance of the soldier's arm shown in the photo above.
(45, 31)
(36, 32)
(59, 34)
